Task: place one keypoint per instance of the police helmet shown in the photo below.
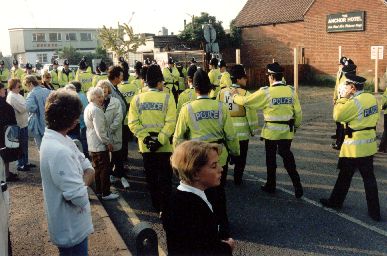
(66, 62)
(274, 68)
(201, 81)
(350, 68)
(82, 64)
(55, 62)
(121, 59)
(222, 63)
(28, 66)
(147, 61)
(348, 62)
(170, 60)
(191, 71)
(193, 61)
(15, 62)
(237, 72)
(357, 81)
(214, 62)
(102, 66)
(1, 62)
(154, 75)
(138, 65)
(343, 60)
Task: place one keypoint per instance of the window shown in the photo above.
(38, 37)
(71, 37)
(85, 36)
(42, 57)
(55, 37)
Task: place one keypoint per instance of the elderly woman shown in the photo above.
(35, 101)
(189, 220)
(66, 173)
(99, 142)
(113, 115)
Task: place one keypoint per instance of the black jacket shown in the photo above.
(7, 117)
(191, 227)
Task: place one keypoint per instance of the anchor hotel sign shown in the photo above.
(344, 22)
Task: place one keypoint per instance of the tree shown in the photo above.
(193, 33)
(75, 56)
(235, 36)
(121, 40)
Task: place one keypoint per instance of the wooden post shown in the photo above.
(376, 72)
(238, 56)
(296, 69)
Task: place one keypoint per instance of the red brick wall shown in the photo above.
(322, 48)
(261, 44)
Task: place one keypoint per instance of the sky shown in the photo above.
(145, 16)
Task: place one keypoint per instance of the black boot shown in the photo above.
(327, 203)
(270, 185)
(298, 191)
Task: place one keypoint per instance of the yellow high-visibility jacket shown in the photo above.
(244, 119)
(55, 78)
(187, 95)
(65, 77)
(4, 76)
(153, 111)
(279, 103)
(340, 79)
(96, 78)
(86, 79)
(359, 112)
(17, 73)
(207, 120)
(171, 78)
(225, 80)
(128, 90)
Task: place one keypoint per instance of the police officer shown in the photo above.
(16, 72)
(138, 78)
(66, 75)
(182, 77)
(282, 113)
(4, 74)
(55, 74)
(83, 76)
(225, 80)
(245, 120)
(348, 68)
(189, 94)
(360, 112)
(102, 75)
(152, 119)
(214, 76)
(171, 78)
(208, 120)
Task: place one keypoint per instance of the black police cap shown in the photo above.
(214, 62)
(15, 62)
(55, 62)
(193, 60)
(350, 68)
(354, 79)
(170, 60)
(191, 71)
(138, 65)
(66, 62)
(222, 63)
(102, 66)
(274, 68)
(237, 72)
(343, 60)
(154, 74)
(28, 66)
(201, 80)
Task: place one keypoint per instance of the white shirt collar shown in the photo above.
(187, 188)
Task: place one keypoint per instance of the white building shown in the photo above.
(42, 44)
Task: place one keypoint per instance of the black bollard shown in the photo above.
(146, 240)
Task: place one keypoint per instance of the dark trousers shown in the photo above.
(125, 140)
(101, 165)
(217, 197)
(83, 140)
(347, 168)
(117, 164)
(158, 172)
(240, 161)
(283, 148)
(340, 134)
(383, 141)
(24, 147)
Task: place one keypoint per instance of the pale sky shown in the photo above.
(147, 15)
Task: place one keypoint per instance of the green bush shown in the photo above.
(322, 80)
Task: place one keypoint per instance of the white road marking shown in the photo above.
(343, 215)
(134, 219)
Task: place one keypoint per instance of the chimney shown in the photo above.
(185, 23)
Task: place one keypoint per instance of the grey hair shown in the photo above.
(93, 92)
(102, 83)
(70, 87)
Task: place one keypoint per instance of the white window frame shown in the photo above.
(42, 57)
(58, 37)
(68, 36)
(35, 37)
(88, 35)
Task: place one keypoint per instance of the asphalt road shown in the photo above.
(280, 224)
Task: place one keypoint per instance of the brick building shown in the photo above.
(271, 29)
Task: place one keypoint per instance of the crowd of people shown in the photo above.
(185, 121)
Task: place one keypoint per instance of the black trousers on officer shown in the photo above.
(158, 172)
(217, 197)
(383, 141)
(283, 148)
(240, 161)
(340, 134)
(125, 140)
(347, 168)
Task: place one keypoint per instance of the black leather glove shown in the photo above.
(147, 139)
(154, 145)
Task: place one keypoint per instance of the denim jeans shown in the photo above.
(80, 249)
(24, 147)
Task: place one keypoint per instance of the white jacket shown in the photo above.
(62, 166)
(19, 105)
(97, 132)
(113, 115)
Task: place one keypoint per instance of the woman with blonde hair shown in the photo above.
(189, 220)
(47, 80)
